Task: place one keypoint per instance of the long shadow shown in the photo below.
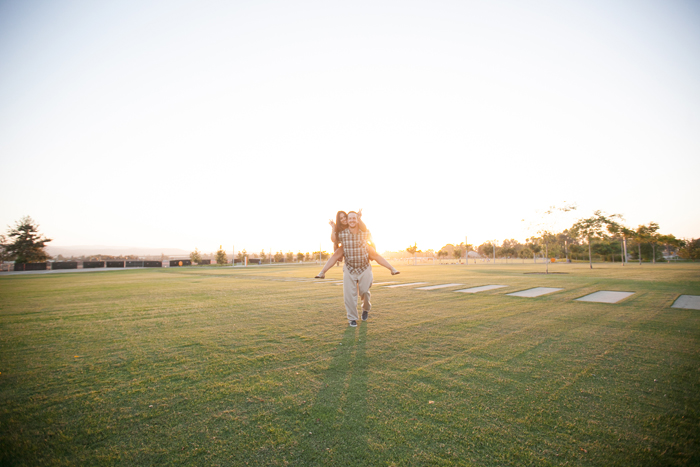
(338, 418)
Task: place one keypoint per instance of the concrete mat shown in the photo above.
(405, 285)
(691, 302)
(605, 296)
(481, 289)
(536, 292)
(441, 286)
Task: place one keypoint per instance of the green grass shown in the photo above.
(212, 366)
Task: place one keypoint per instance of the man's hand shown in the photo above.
(359, 213)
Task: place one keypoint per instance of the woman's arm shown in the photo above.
(332, 224)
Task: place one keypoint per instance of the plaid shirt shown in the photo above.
(355, 250)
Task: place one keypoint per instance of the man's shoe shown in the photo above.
(365, 315)
(353, 324)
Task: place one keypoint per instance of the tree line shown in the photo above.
(601, 234)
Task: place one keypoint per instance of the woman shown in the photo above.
(341, 223)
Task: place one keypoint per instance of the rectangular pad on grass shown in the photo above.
(481, 289)
(536, 292)
(441, 286)
(605, 296)
(691, 302)
(405, 285)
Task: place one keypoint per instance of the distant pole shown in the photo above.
(233, 260)
(466, 251)
(624, 244)
(494, 253)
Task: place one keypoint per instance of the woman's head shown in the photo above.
(341, 220)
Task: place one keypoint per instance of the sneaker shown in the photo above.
(365, 315)
(321, 275)
(395, 272)
(353, 324)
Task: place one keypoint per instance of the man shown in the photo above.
(357, 272)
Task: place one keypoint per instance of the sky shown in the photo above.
(185, 124)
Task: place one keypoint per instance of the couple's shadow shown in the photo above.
(339, 413)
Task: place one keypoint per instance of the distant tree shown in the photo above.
(646, 234)
(300, 257)
(689, 249)
(442, 253)
(279, 257)
(307, 256)
(533, 244)
(221, 257)
(592, 227)
(669, 242)
(289, 257)
(653, 237)
(486, 249)
(565, 240)
(195, 256)
(508, 249)
(263, 256)
(545, 226)
(457, 253)
(525, 253)
(26, 244)
(413, 250)
(4, 256)
(621, 233)
(242, 255)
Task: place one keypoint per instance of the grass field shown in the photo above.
(221, 366)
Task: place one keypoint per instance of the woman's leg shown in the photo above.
(331, 261)
(374, 256)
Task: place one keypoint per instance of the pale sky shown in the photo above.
(197, 124)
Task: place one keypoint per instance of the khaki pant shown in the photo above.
(350, 285)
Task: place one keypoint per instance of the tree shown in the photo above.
(300, 256)
(457, 253)
(689, 249)
(534, 246)
(196, 256)
(653, 238)
(669, 241)
(646, 234)
(486, 249)
(413, 250)
(441, 253)
(618, 230)
(592, 227)
(279, 257)
(26, 244)
(4, 255)
(289, 257)
(221, 256)
(263, 256)
(545, 225)
(242, 255)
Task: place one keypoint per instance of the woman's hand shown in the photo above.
(331, 223)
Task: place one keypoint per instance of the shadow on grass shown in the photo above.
(338, 418)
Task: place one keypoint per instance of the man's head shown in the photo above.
(352, 219)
